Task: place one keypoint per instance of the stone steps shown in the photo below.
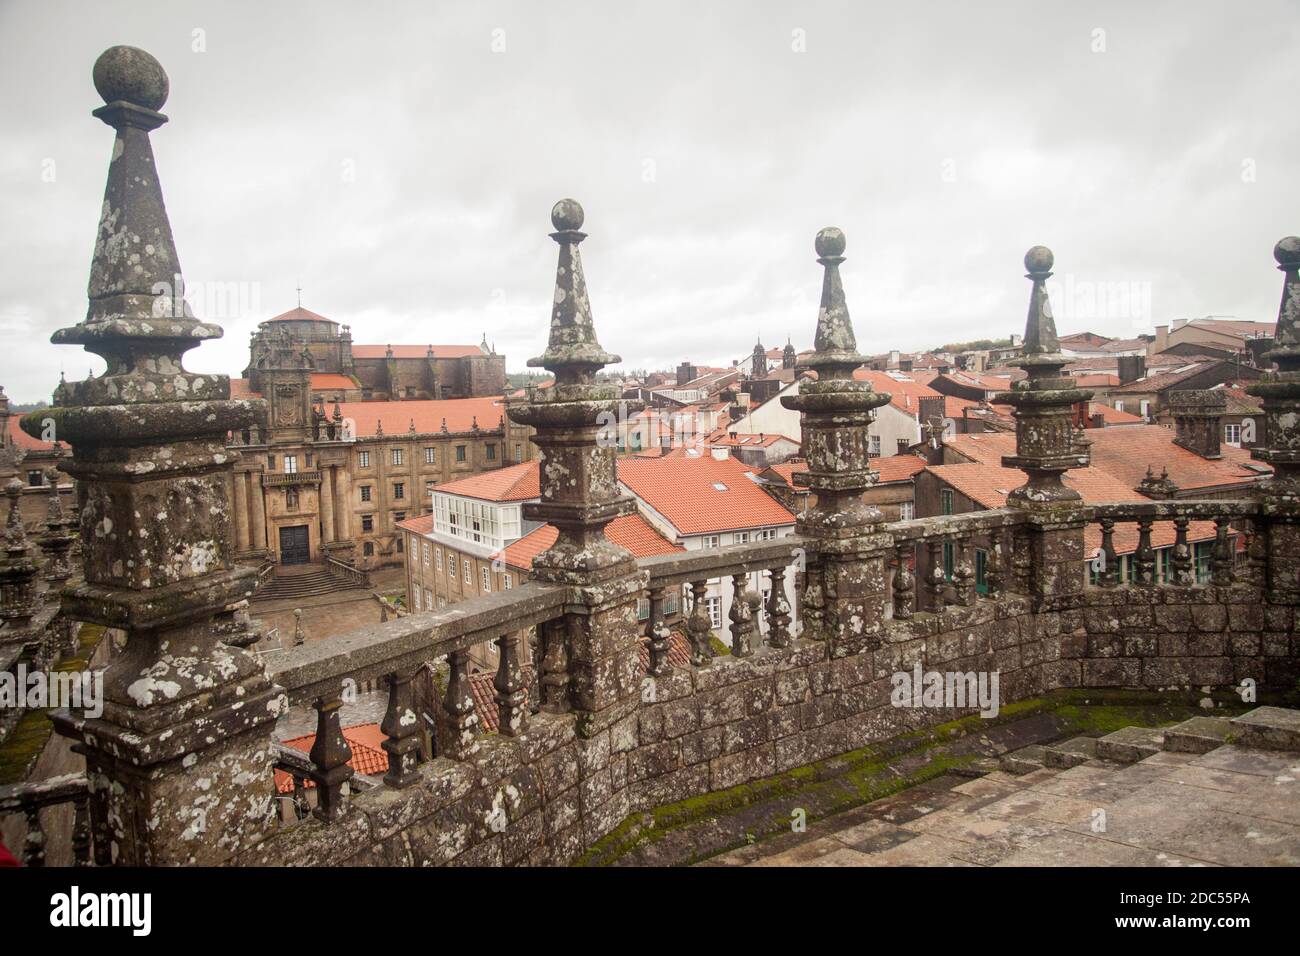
(285, 587)
(1023, 761)
(1199, 735)
(1269, 728)
(1130, 744)
(1070, 753)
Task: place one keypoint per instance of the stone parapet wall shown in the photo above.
(547, 795)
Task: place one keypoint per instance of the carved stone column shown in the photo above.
(580, 496)
(239, 480)
(179, 762)
(848, 550)
(1280, 391)
(326, 496)
(1046, 448)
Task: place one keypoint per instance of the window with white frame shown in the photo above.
(505, 579)
(765, 534)
(1119, 405)
(1145, 407)
(290, 464)
(874, 449)
(431, 456)
(451, 563)
(1232, 435)
(415, 597)
(427, 548)
(742, 537)
(714, 606)
(469, 573)
(428, 599)
(364, 457)
(712, 540)
(907, 511)
(487, 579)
(397, 456)
(437, 558)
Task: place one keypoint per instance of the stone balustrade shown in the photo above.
(180, 763)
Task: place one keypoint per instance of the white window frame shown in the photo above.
(711, 541)
(291, 464)
(397, 456)
(430, 455)
(487, 580)
(906, 510)
(365, 459)
(1229, 431)
(415, 598)
(714, 606)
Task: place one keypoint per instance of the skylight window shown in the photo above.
(719, 486)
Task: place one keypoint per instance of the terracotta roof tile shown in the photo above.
(324, 381)
(520, 482)
(903, 393)
(415, 351)
(20, 439)
(685, 491)
(631, 531)
(368, 757)
(299, 315)
(428, 415)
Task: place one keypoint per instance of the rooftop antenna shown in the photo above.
(300, 293)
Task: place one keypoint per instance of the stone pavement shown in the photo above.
(1234, 805)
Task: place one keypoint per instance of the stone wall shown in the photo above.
(544, 797)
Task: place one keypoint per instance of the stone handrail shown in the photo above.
(357, 576)
(923, 529)
(317, 668)
(1203, 510)
(30, 798)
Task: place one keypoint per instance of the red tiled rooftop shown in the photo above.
(683, 491)
(324, 381)
(20, 439)
(415, 351)
(299, 315)
(631, 531)
(520, 482)
(903, 395)
(428, 415)
(368, 757)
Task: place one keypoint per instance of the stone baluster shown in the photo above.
(778, 610)
(699, 628)
(847, 547)
(458, 706)
(580, 495)
(19, 570)
(1184, 571)
(963, 572)
(994, 575)
(742, 618)
(904, 581)
(34, 839)
(1280, 391)
(660, 635)
(552, 639)
(401, 728)
(936, 584)
(56, 538)
(329, 755)
(1046, 448)
(181, 751)
(1108, 577)
(1144, 558)
(511, 691)
(1221, 563)
(81, 830)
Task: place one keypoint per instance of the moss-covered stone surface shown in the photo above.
(711, 823)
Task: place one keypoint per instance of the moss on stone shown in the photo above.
(871, 773)
(24, 745)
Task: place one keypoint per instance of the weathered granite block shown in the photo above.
(1112, 672)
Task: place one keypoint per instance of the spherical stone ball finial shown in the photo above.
(1039, 259)
(131, 74)
(567, 215)
(1287, 252)
(830, 242)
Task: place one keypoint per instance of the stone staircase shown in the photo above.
(302, 581)
(1208, 791)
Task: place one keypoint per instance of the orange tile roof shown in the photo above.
(324, 381)
(299, 315)
(902, 395)
(1096, 380)
(368, 758)
(428, 415)
(20, 439)
(895, 468)
(631, 531)
(988, 486)
(520, 482)
(1113, 416)
(682, 490)
(239, 388)
(749, 439)
(420, 524)
(415, 351)
(1125, 453)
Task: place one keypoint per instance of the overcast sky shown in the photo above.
(401, 159)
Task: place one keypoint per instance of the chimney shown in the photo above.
(685, 372)
(1198, 415)
(905, 365)
(1162, 338)
(719, 453)
(893, 358)
(1015, 340)
(1131, 368)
